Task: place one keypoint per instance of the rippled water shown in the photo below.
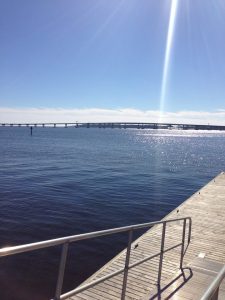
(67, 181)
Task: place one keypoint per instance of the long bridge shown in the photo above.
(124, 125)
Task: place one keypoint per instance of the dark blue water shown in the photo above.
(67, 181)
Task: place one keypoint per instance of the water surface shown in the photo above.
(64, 181)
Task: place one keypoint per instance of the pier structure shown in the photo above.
(120, 125)
(202, 262)
(181, 257)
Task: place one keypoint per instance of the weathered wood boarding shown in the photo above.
(207, 210)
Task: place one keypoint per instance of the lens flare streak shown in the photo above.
(169, 44)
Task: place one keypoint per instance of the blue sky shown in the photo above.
(77, 54)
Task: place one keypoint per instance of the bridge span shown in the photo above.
(121, 125)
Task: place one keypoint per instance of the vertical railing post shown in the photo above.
(215, 295)
(161, 253)
(182, 246)
(62, 265)
(189, 231)
(126, 267)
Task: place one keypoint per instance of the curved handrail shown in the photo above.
(65, 241)
(6, 251)
(214, 286)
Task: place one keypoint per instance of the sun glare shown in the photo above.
(169, 45)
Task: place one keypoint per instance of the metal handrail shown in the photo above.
(213, 290)
(65, 241)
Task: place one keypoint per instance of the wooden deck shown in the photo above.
(205, 254)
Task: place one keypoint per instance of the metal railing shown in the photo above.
(212, 292)
(65, 241)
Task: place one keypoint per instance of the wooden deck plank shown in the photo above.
(207, 210)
